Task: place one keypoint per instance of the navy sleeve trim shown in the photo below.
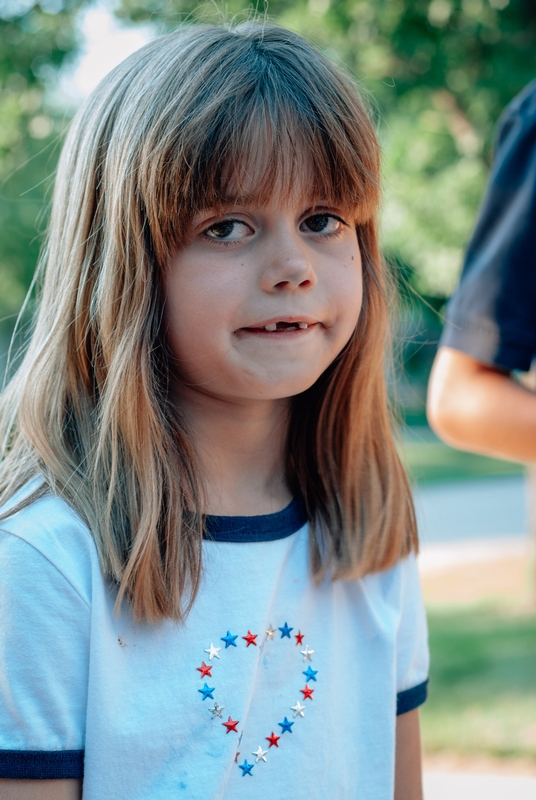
(411, 698)
(41, 765)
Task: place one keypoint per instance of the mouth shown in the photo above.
(282, 326)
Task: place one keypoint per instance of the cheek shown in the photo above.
(196, 311)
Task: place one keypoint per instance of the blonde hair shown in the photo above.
(168, 133)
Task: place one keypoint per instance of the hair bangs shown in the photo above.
(284, 155)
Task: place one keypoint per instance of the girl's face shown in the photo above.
(263, 298)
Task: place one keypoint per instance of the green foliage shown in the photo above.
(34, 44)
(430, 461)
(482, 683)
(438, 73)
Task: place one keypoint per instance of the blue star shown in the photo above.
(246, 768)
(229, 639)
(206, 691)
(286, 726)
(310, 674)
(285, 631)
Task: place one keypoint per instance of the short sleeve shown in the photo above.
(44, 646)
(492, 315)
(412, 655)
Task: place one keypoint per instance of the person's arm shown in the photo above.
(40, 790)
(408, 770)
(475, 407)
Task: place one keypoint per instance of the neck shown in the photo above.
(241, 452)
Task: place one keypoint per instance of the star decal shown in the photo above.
(285, 631)
(307, 654)
(286, 726)
(307, 693)
(206, 691)
(213, 651)
(298, 709)
(310, 674)
(250, 638)
(246, 768)
(204, 670)
(299, 637)
(216, 710)
(260, 753)
(273, 739)
(229, 640)
(231, 724)
(270, 633)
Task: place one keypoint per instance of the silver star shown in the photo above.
(307, 654)
(270, 633)
(298, 709)
(260, 753)
(213, 651)
(216, 711)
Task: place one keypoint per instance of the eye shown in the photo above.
(228, 230)
(322, 223)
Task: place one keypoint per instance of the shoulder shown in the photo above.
(523, 105)
(402, 577)
(48, 530)
(517, 124)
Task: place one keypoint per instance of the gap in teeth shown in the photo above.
(272, 326)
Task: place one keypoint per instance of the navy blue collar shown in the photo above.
(264, 528)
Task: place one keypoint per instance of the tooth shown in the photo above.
(303, 325)
(271, 327)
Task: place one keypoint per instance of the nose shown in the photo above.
(288, 265)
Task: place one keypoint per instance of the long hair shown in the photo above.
(171, 131)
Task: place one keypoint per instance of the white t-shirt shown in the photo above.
(301, 681)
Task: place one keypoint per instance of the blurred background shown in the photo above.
(438, 74)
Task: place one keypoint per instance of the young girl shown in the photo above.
(207, 544)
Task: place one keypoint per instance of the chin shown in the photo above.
(281, 389)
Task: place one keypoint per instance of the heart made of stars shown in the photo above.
(231, 725)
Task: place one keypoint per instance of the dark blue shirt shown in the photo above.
(492, 314)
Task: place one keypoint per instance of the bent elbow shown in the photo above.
(444, 418)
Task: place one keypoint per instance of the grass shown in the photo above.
(482, 698)
(429, 460)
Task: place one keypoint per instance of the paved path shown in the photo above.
(465, 786)
(483, 508)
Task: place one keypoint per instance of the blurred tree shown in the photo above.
(438, 73)
(35, 39)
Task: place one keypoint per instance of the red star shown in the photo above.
(236, 758)
(250, 638)
(307, 693)
(204, 670)
(299, 638)
(273, 739)
(231, 725)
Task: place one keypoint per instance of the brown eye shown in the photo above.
(229, 230)
(322, 223)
